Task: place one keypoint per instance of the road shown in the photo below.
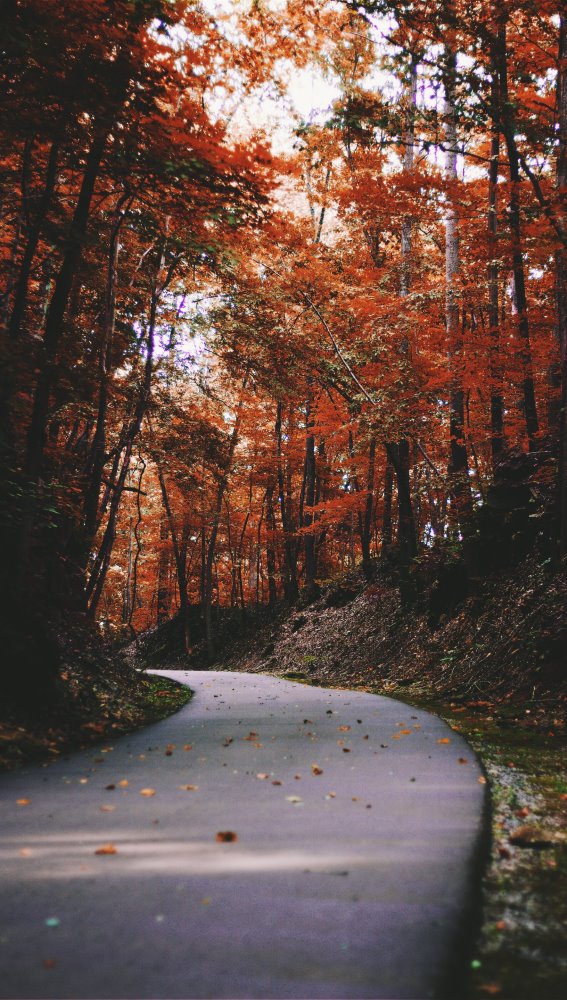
(354, 828)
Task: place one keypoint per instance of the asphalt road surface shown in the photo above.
(353, 831)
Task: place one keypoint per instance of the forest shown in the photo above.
(283, 356)
(283, 295)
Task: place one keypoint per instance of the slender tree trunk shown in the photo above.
(291, 588)
(215, 523)
(101, 563)
(21, 289)
(97, 458)
(561, 286)
(180, 556)
(387, 514)
(163, 571)
(312, 590)
(270, 550)
(366, 532)
(496, 401)
(458, 463)
(515, 225)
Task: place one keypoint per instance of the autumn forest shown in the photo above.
(282, 297)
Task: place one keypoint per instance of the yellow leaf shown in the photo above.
(147, 791)
(444, 739)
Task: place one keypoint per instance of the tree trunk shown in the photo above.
(514, 222)
(561, 287)
(291, 588)
(21, 291)
(458, 463)
(53, 331)
(496, 401)
(215, 523)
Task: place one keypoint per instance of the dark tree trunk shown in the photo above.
(514, 222)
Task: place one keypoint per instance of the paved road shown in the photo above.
(353, 882)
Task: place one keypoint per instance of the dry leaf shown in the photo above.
(147, 792)
(343, 729)
(444, 739)
(315, 769)
(276, 782)
(123, 783)
(23, 802)
(294, 799)
(463, 760)
(226, 837)
(107, 809)
(262, 777)
(25, 852)
(106, 849)
(188, 788)
(187, 746)
(482, 780)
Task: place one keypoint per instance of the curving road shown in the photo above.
(359, 826)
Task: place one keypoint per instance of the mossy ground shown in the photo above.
(121, 709)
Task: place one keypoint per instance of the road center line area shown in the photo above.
(269, 840)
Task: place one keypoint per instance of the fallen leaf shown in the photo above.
(110, 788)
(482, 780)
(262, 777)
(315, 769)
(276, 782)
(187, 746)
(491, 989)
(294, 799)
(251, 736)
(331, 795)
(106, 849)
(123, 783)
(169, 753)
(147, 792)
(83, 781)
(188, 788)
(463, 760)
(25, 852)
(227, 741)
(405, 732)
(346, 749)
(226, 837)
(343, 729)
(531, 836)
(23, 802)
(107, 809)
(501, 925)
(444, 739)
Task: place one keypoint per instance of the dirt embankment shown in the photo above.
(505, 643)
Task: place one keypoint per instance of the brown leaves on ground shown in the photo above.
(226, 837)
(188, 788)
(315, 769)
(147, 792)
(107, 849)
